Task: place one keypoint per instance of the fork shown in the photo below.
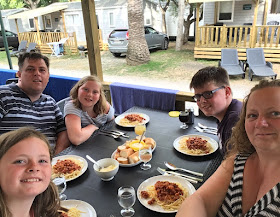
(115, 132)
(110, 134)
(207, 128)
(205, 131)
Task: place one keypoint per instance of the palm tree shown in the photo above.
(137, 51)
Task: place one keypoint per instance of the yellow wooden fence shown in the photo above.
(211, 39)
(42, 38)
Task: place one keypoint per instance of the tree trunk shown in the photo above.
(179, 39)
(137, 50)
(163, 13)
(163, 21)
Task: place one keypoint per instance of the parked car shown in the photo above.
(12, 39)
(118, 40)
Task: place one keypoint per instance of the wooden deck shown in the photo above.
(42, 38)
(211, 39)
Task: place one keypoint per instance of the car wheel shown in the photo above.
(165, 44)
(116, 54)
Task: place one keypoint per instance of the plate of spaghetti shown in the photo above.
(164, 194)
(195, 145)
(131, 119)
(69, 166)
(77, 208)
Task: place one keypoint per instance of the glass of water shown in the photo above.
(60, 183)
(126, 199)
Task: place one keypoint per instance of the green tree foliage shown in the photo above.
(8, 4)
(31, 4)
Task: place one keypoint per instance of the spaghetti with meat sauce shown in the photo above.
(131, 119)
(69, 168)
(168, 195)
(195, 145)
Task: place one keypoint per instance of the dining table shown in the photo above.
(102, 195)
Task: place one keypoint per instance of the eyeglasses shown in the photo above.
(206, 94)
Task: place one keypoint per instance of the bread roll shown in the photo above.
(150, 141)
(133, 158)
(117, 154)
(122, 160)
(126, 152)
(121, 147)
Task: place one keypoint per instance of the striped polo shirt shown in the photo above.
(268, 205)
(17, 110)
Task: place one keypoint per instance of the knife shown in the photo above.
(189, 178)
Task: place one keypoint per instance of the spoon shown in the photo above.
(93, 161)
(205, 127)
(173, 167)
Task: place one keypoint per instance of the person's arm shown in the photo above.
(76, 133)
(110, 111)
(206, 201)
(62, 142)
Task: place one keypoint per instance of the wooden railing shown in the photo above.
(238, 36)
(211, 39)
(45, 37)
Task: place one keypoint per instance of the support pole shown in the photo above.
(5, 41)
(91, 31)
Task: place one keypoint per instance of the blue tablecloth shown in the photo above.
(125, 96)
(5, 74)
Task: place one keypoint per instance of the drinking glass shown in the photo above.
(184, 117)
(145, 155)
(60, 182)
(140, 129)
(126, 199)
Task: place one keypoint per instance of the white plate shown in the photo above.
(87, 209)
(76, 157)
(213, 143)
(151, 181)
(130, 165)
(118, 118)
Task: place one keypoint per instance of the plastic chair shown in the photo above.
(257, 64)
(57, 47)
(21, 47)
(61, 104)
(229, 61)
(11, 80)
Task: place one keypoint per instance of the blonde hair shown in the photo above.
(100, 106)
(239, 139)
(45, 204)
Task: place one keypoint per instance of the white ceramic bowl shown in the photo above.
(107, 176)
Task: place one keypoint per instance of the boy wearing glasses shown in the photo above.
(213, 96)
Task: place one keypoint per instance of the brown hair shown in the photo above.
(45, 204)
(217, 75)
(239, 139)
(34, 56)
(100, 106)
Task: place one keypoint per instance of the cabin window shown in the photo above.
(31, 23)
(72, 19)
(111, 19)
(147, 21)
(225, 11)
(48, 22)
(275, 7)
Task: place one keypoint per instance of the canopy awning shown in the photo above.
(38, 12)
(200, 1)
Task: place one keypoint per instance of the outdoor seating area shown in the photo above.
(255, 60)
